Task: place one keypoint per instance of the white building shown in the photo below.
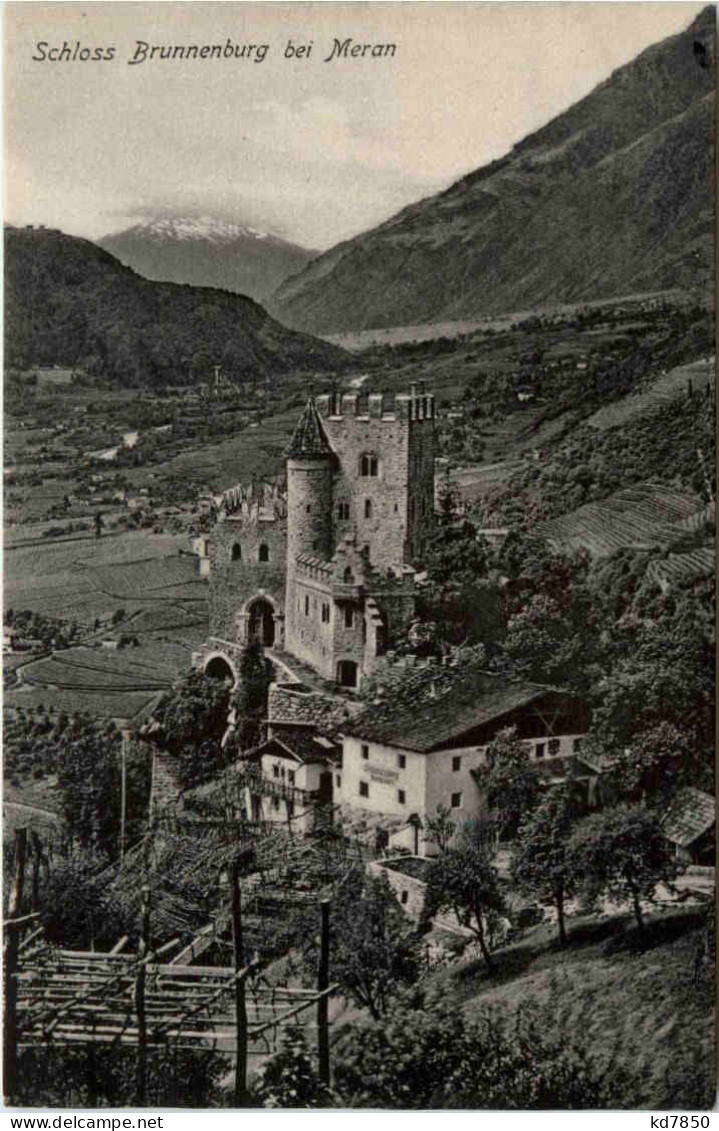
(407, 754)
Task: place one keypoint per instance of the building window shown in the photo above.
(276, 771)
(456, 764)
(369, 465)
(348, 576)
(347, 673)
(404, 897)
(401, 796)
(456, 801)
(401, 761)
(554, 745)
(368, 508)
(338, 781)
(343, 510)
(365, 751)
(275, 802)
(349, 616)
(539, 749)
(325, 613)
(577, 744)
(308, 509)
(264, 554)
(364, 789)
(291, 777)
(307, 606)
(236, 552)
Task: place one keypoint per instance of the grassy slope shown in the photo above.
(640, 1005)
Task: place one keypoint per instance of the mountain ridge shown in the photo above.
(70, 302)
(205, 250)
(540, 223)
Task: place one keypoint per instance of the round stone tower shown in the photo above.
(310, 461)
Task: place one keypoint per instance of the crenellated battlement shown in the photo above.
(264, 501)
(412, 406)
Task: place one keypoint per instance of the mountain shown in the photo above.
(208, 252)
(614, 196)
(68, 302)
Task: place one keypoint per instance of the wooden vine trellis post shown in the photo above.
(323, 981)
(13, 927)
(240, 1001)
(140, 981)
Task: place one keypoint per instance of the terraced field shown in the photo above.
(684, 567)
(165, 610)
(667, 388)
(89, 578)
(642, 517)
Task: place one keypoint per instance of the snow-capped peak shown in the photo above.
(207, 228)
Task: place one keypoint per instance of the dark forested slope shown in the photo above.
(68, 302)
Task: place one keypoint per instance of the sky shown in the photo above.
(312, 150)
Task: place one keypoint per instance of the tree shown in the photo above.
(87, 763)
(373, 949)
(508, 781)
(464, 880)
(289, 1079)
(250, 699)
(440, 828)
(541, 863)
(191, 722)
(622, 853)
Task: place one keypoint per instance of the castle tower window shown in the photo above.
(264, 553)
(343, 510)
(369, 466)
(307, 606)
(236, 552)
(349, 616)
(368, 508)
(348, 576)
(364, 789)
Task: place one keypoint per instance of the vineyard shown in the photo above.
(697, 376)
(642, 517)
(678, 568)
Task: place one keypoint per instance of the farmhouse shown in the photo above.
(414, 750)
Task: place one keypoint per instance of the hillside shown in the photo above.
(641, 1009)
(541, 224)
(68, 302)
(206, 252)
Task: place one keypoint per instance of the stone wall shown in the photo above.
(410, 894)
(165, 789)
(233, 582)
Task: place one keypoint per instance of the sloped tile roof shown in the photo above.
(308, 439)
(442, 706)
(689, 815)
(303, 744)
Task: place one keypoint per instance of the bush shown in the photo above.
(425, 1055)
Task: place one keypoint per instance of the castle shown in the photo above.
(321, 566)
